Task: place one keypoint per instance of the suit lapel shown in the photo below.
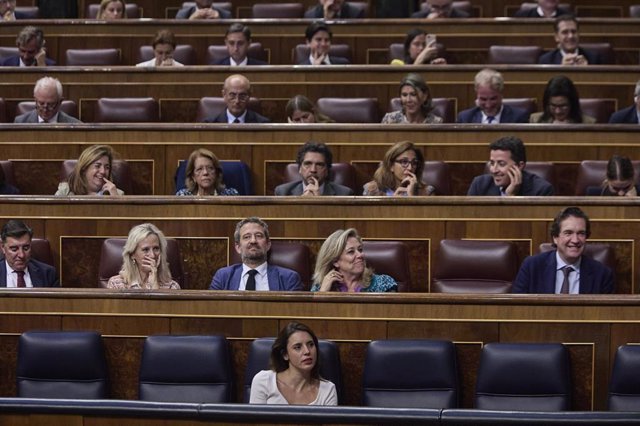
(273, 277)
(549, 275)
(586, 276)
(236, 276)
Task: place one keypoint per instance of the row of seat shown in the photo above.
(397, 373)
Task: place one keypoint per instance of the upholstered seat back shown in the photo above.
(67, 106)
(350, 110)
(624, 393)
(594, 172)
(7, 174)
(390, 258)
(600, 109)
(277, 11)
(341, 173)
(127, 110)
(437, 173)
(183, 53)
(514, 54)
(133, 11)
(92, 57)
(528, 104)
(444, 108)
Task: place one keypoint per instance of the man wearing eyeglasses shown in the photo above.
(437, 9)
(48, 96)
(507, 176)
(31, 51)
(236, 93)
(314, 165)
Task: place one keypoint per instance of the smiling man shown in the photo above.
(568, 52)
(47, 94)
(565, 270)
(318, 36)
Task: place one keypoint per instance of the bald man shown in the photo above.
(236, 93)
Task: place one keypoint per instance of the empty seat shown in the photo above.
(593, 173)
(350, 110)
(133, 11)
(69, 365)
(437, 173)
(603, 50)
(6, 52)
(41, 250)
(528, 104)
(217, 53)
(442, 107)
(301, 52)
(8, 175)
(341, 173)
(634, 11)
(410, 374)
(183, 53)
(120, 174)
(127, 110)
(514, 54)
(390, 258)
(236, 175)
(111, 260)
(624, 392)
(27, 12)
(600, 109)
(260, 352)
(89, 57)
(195, 369)
(67, 106)
(277, 10)
(602, 252)
(470, 266)
(211, 107)
(524, 377)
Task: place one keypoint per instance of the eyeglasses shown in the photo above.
(405, 162)
(309, 164)
(242, 97)
(47, 106)
(201, 170)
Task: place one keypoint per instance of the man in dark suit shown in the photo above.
(18, 269)
(254, 273)
(237, 39)
(203, 9)
(568, 51)
(47, 94)
(314, 165)
(318, 36)
(31, 51)
(438, 9)
(236, 93)
(507, 176)
(333, 9)
(565, 270)
(629, 115)
(545, 9)
(489, 108)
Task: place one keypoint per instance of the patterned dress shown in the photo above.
(379, 284)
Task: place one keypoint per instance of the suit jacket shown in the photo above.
(455, 13)
(600, 191)
(280, 279)
(32, 117)
(185, 12)
(335, 60)
(250, 61)
(538, 275)
(42, 275)
(554, 57)
(509, 115)
(531, 185)
(295, 188)
(251, 117)
(347, 12)
(627, 115)
(533, 12)
(14, 61)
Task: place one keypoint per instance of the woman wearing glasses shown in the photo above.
(620, 180)
(204, 175)
(561, 104)
(415, 99)
(400, 173)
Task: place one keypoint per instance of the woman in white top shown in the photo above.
(295, 374)
(164, 44)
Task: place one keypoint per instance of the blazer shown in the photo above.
(347, 12)
(42, 275)
(455, 13)
(14, 61)
(627, 115)
(554, 57)
(251, 117)
(538, 275)
(536, 117)
(280, 279)
(185, 12)
(250, 61)
(335, 60)
(604, 192)
(32, 117)
(295, 188)
(533, 12)
(509, 115)
(531, 185)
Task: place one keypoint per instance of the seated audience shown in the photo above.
(565, 270)
(18, 269)
(204, 175)
(419, 49)
(31, 51)
(144, 261)
(164, 44)
(5, 188)
(629, 115)
(300, 109)
(237, 39)
(255, 273)
(341, 266)
(47, 94)
(415, 98)
(437, 9)
(112, 10)
(620, 180)
(568, 52)
(8, 10)
(333, 9)
(561, 104)
(236, 93)
(400, 173)
(314, 164)
(203, 9)
(507, 175)
(294, 377)
(545, 9)
(489, 85)
(92, 174)
(318, 36)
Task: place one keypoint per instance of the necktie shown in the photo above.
(490, 119)
(251, 281)
(236, 121)
(21, 282)
(565, 282)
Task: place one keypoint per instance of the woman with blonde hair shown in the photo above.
(111, 10)
(144, 261)
(92, 174)
(204, 175)
(341, 266)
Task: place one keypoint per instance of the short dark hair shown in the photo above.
(564, 18)
(569, 212)
(279, 348)
(512, 144)
(237, 27)
(252, 219)
(15, 229)
(164, 37)
(318, 147)
(316, 26)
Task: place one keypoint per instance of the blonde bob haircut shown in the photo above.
(77, 179)
(189, 180)
(105, 3)
(130, 271)
(330, 252)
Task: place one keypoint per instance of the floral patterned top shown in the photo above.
(117, 282)
(379, 284)
(399, 117)
(226, 191)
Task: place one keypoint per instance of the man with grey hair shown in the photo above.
(254, 273)
(31, 51)
(629, 115)
(489, 108)
(236, 93)
(48, 98)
